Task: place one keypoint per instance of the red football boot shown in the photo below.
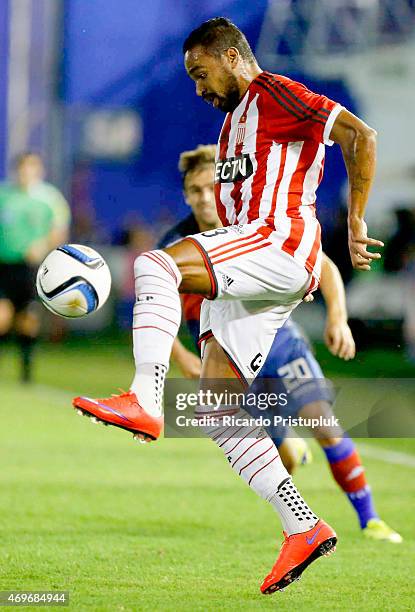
(297, 552)
(122, 411)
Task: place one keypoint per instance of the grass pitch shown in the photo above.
(169, 526)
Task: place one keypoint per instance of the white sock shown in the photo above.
(148, 384)
(296, 516)
(252, 455)
(157, 316)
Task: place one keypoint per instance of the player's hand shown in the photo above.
(308, 298)
(189, 364)
(339, 340)
(358, 243)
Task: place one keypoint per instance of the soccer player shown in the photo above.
(290, 357)
(255, 270)
(31, 175)
(26, 235)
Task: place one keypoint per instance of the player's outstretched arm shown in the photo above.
(337, 334)
(358, 144)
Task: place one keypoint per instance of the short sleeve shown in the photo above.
(294, 113)
(61, 211)
(54, 199)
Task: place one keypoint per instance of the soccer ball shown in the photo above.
(73, 281)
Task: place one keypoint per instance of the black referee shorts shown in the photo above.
(17, 284)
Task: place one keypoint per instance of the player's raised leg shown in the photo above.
(228, 264)
(253, 456)
(157, 315)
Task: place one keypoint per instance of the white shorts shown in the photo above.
(255, 287)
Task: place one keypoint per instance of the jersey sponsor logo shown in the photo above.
(233, 169)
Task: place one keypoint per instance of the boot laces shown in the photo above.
(122, 394)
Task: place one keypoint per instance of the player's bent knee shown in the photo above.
(185, 253)
(182, 263)
(158, 264)
(192, 266)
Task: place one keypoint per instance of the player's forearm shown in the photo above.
(358, 144)
(332, 288)
(360, 161)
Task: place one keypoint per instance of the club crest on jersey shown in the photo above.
(233, 169)
(240, 131)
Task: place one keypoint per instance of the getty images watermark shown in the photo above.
(362, 408)
(212, 408)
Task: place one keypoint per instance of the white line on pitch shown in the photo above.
(374, 452)
(388, 456)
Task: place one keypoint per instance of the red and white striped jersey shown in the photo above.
(270, 160)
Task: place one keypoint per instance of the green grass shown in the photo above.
(167, 526)
(376, 363)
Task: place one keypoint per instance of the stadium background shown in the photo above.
(99, 90)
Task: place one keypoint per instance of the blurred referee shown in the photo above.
(34, 218)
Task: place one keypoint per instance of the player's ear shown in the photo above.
(233, 56)
(185, 197)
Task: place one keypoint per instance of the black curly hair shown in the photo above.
(216, 36)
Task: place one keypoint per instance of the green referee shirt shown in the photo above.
(23, 221)
(52, 196)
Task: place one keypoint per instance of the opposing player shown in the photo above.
(255, 270)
